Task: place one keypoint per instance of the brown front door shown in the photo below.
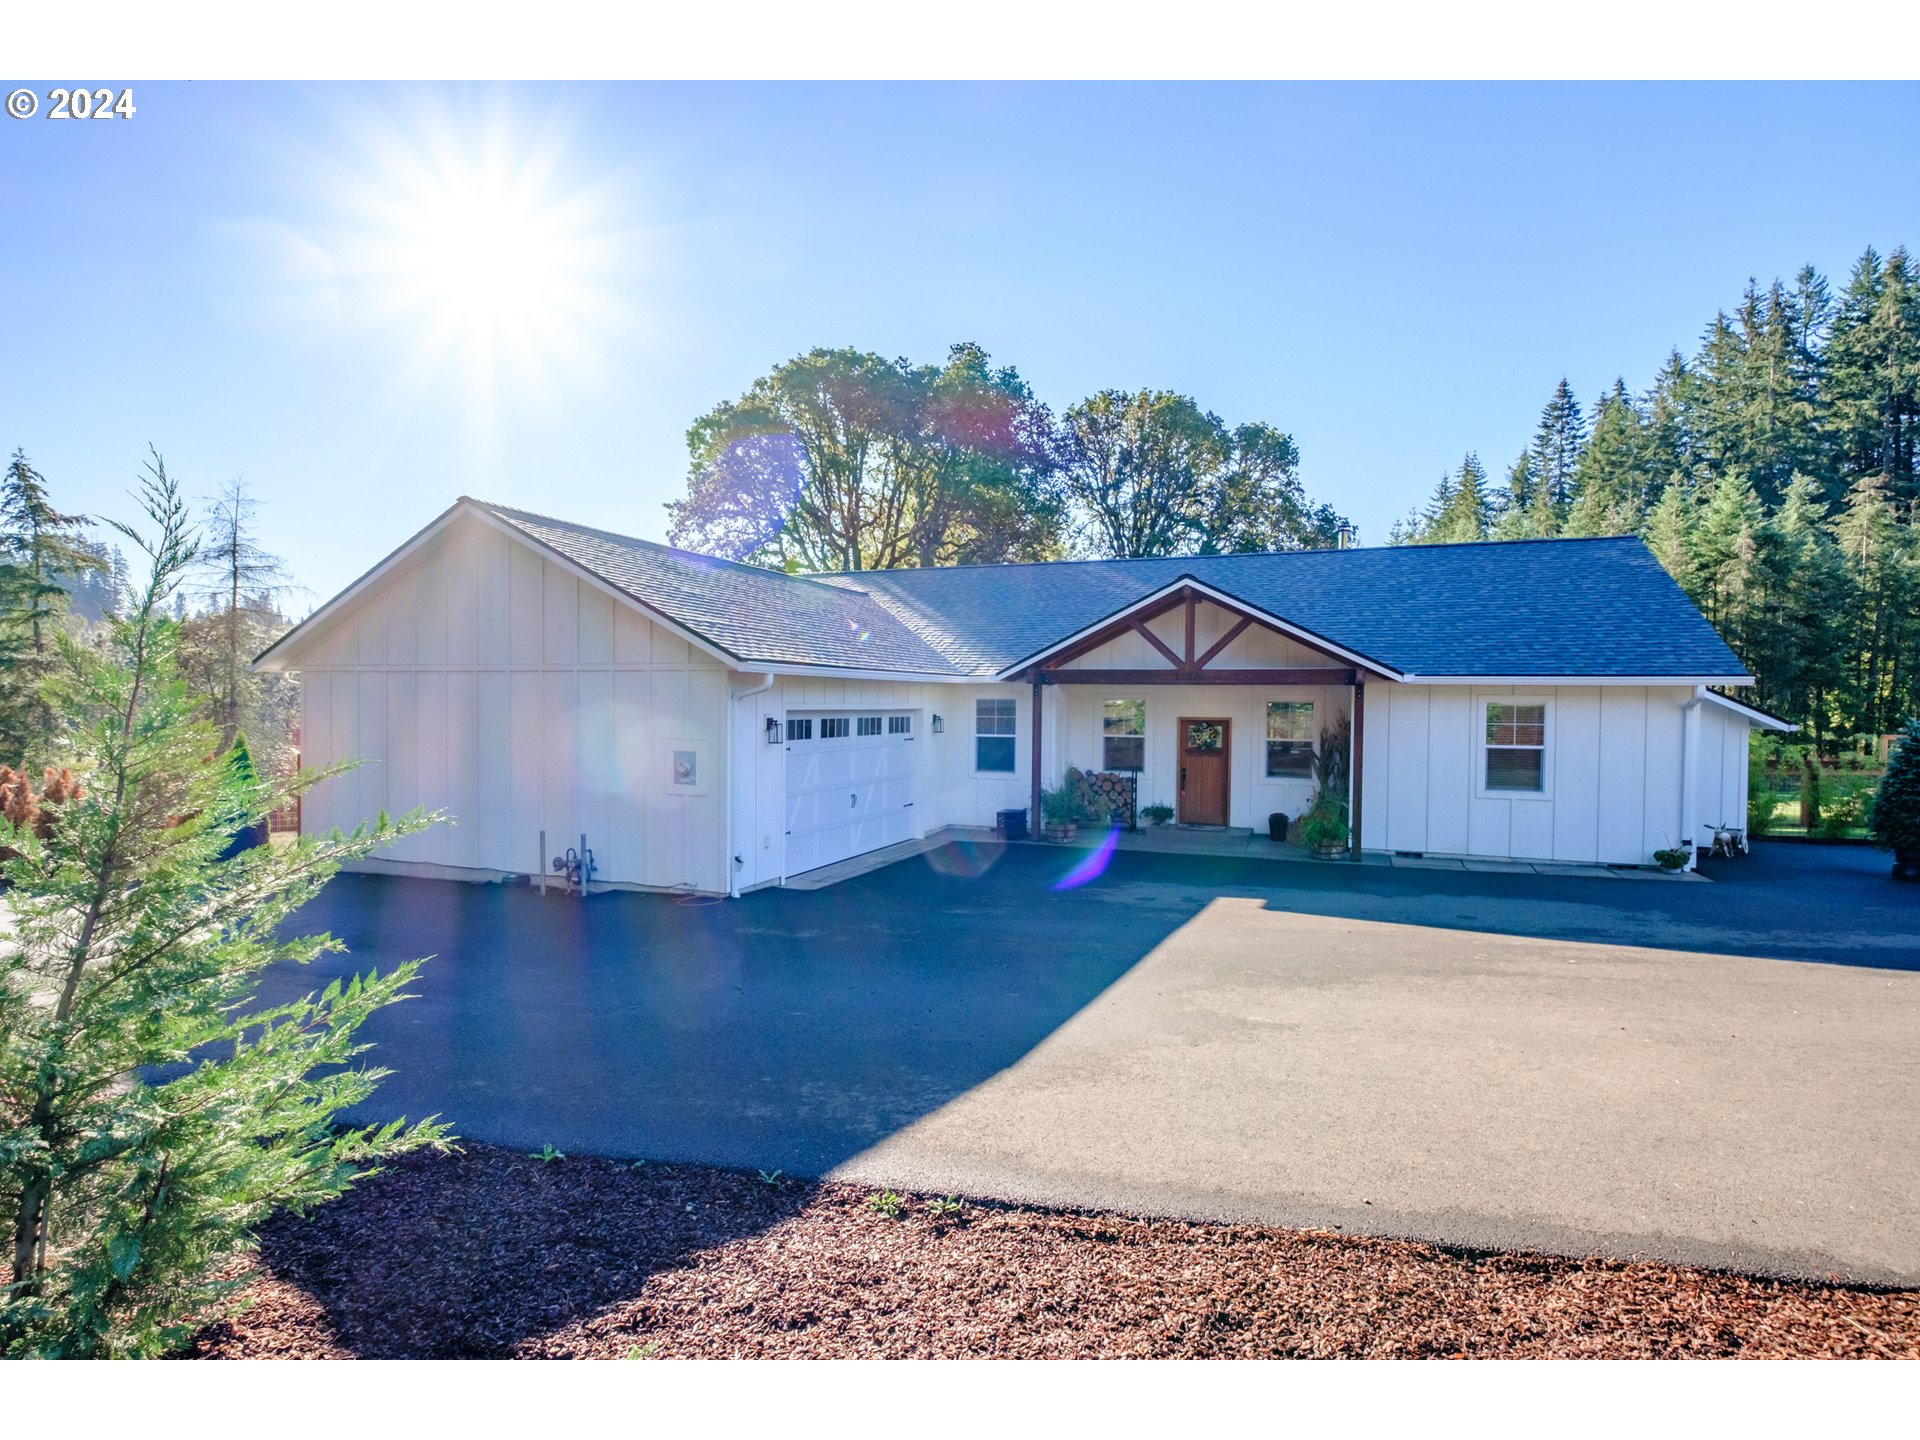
(1204, 748)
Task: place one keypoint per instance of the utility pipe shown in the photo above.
(732, 789)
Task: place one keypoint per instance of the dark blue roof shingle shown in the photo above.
(1599, 607)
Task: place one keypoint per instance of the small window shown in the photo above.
(867, 725)
(834, 727)
(994, 727)
(799, 730)
(1290, 739)
(899, 724)
(1516, 746)
(1123, 735)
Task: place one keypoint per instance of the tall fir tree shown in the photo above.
(1557, 443)
(1877, 557)
(1463, 516)
(39, 547)
(1873, 367)
(1610, 483)
(1773, 473)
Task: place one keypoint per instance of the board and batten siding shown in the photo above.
(487, 681)
(947, 788)
(1613, 773)
(1721, 795)
(1252, 795)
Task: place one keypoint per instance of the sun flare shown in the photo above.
(487, 257)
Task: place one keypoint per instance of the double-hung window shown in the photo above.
(1290, 739)
(1516, 746)
(993, 735)
(1123, 735)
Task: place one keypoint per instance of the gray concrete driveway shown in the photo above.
(1721, 1074)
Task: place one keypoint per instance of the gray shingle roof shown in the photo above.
(1601, 607)
(754, 614)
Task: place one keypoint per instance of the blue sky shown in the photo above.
(1394, 274)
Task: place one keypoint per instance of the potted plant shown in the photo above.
(1059, 818)
(1896, 805)
(1323, 829)
(1156, 813)
(1077, 802)
(1671, 859)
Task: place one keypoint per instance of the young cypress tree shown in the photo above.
(133, 955)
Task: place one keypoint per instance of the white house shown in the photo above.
(714, 726)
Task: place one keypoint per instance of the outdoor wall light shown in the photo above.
(939, 726)
(773, 730)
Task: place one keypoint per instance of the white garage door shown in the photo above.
(849, 784)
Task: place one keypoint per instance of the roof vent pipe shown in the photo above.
(1345, 536)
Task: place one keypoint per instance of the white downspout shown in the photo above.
(733, 777)
(1690, 774)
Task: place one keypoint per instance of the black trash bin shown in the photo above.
(1012, 824)
(1276, 826)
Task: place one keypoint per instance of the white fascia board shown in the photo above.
(1576, 679)
(832, 672)
(1219, 597)
(1759, 719)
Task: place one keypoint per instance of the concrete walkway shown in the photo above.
(1722, 1073)
(1223, 843)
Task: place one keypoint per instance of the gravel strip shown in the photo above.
(488, 1253)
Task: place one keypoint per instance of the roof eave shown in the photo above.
(1224, 597)
(1575, 679)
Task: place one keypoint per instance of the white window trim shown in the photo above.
(1260, 776)
(1145, 753)
(977, 737)
(1481, 700)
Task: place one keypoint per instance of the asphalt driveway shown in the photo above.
(1721, 1074)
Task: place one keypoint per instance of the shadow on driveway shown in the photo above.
(797, 1030)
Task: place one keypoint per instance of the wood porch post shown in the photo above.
(1033, 820)
(1359, 754)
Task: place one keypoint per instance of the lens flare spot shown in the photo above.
(966, 859)
(1091, 865)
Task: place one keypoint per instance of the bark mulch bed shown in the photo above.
(489, 1253)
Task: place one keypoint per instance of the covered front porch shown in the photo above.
(1217, 714)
